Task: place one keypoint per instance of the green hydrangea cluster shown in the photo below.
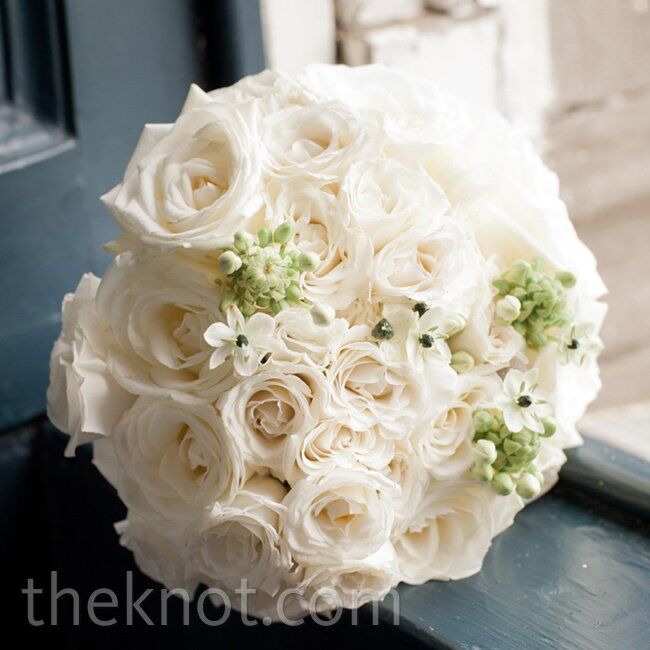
(263, 271)
(532, 302)
(505, 459)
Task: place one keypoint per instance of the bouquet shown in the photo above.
(346, 335)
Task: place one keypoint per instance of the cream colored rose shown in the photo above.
(367, 389)
(444, 445)
(272, 90)
(331, 444)
(408, 104)
(322, 228)
(192, 184)
(174, 460)
(346, 514)
(425, 265)
(83, 398)
(386, 198)
(264, 411)
(241, 540)
(353, 583)
(300, 340)
(407, 473)
(157, 557)
(317, 142)
(452, 530)
(157, 308)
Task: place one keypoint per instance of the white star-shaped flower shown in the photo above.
(522, 403)
(247, 341)
(580, 345)
(424, 338)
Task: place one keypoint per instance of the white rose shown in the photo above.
(346, 514)
(317, 142)
(263, 411)
(272, 91)
(302, 341)
(386, 198)
(368, 389)
(352, 583)
(445, 444)
(241, 540)
(83, 399)
(331, 444)
(409, 104)
(175, 460)
(157, 557)
(158, 308)
(407, 472)
(322, 227)
(193, 184)
(428, 266)
(452, 530)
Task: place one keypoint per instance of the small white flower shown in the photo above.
(522, 403)
(424, 338)
(246, 341)
(580, 345)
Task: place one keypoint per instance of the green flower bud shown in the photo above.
(247, 309)
(493, 437)
(284, 232)
(243, 240)
(523, 437)
(566, 279)
(527, 452)
(534, 471)
(510, 446)
(263, 301)
(520, 273)
(264, 237)
(322, 315)
(293, 293)
(229, 262)
(502, 286)
(502, 483)
(514, 464)
(528, 486)
(501, 460)
(462, 361)
(383, 330)
(550, 427)
(483, 472)
(484, 451)
(227, 299)
(308, 261)
(537, 340)
(483, 421)
(508, 309)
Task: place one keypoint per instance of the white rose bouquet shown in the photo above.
(347, 333)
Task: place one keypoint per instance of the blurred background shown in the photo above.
(79, 78)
